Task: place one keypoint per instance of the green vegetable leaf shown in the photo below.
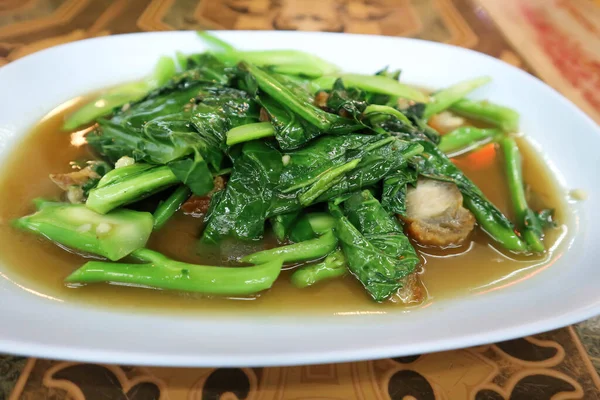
(194, 173)
(348, 102)
(120, 95)
(377, 251)
(242, 209)
(292, 62)
(393, 197)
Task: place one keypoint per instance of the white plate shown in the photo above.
(565, 293)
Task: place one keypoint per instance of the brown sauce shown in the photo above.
(39, 266)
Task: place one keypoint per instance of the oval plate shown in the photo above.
(565, 293)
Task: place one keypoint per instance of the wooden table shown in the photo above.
(557, 40)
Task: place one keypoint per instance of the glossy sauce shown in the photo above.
(39, 266)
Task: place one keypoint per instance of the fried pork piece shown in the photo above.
(198, 205)
(75, 178)
(435, 215)
(321, 99)
(412, 291)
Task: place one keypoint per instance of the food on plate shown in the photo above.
(297, 165)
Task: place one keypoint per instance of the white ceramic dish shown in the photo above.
(564, 293)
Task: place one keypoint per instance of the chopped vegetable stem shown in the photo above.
(527, 221)
(333, 266)
(249, 132)
(131, 189)
(500, 116)
(466, 138)
(162, 273)
(374, 83)
(169, 207)
(445, 98)
(304, 251)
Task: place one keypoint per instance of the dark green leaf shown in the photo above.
(291, 130)
(311, 167)
(377, 251)
(347, 102)
(393, 197)
(241, 210)
(282, 224)
(194, 173)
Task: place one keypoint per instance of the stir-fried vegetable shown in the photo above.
(245, 133)
(333, 266)
(129, 184)
(75, 226)
(445, 98)
(166, 209)
(335, 162)
(283, 61)
(500, 116)
(120, 95)
(377, 251)
(158, 271)
(303, 251)
(467, 138)
(380, 84)
(241, 209)
(527, 221)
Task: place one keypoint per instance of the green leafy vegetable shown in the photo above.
(304, 251)
(445, 98)
(527, 220)
(245, 133)
(120, 95)
(158, 271)
(182, 125)
(127, 185)
(316, 167)
(283, 61)
(242, 209)
(373, 84)
(294, 117)
(393, 196)
(377, 252)
(503, 117)
(112, 235)
(167, 208)
(311, 225)
(467, 138)
(282, 224)
(343, 101)
(333, 266)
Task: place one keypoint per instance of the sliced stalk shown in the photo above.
(131, 189)
(527, 221)
(374, 84)
(120, 95)
(333, 266)
(246, 133)
(161, 272)
(325, 181)
(113, 235)
(169, 207)
(502, 117)
(445, 98)
(304, 251)
(467, 137)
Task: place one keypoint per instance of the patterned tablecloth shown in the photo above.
(557, 40)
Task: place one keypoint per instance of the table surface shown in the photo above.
(557, 40)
